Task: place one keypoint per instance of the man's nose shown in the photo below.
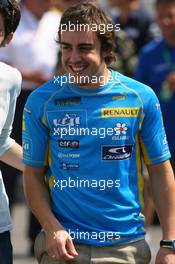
(74, 56)
(166, 20)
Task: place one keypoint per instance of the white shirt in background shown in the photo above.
(10, 84)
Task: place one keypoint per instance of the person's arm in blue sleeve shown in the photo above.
(156, 154)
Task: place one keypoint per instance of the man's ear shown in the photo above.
(7, 39)
(106, 54)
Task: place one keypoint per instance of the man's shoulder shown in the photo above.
(135, 86)
(153, 47)
(9, 71)
(10, 77)
(42, 94)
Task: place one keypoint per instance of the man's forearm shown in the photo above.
(163, 189)
(13, 157)
(38, 198)
(166, 212)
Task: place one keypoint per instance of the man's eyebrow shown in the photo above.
(64, 43)
(80, 44)
(86, 44)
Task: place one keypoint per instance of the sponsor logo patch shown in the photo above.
(157, 106)
(121, 128)
(69, 144)
(67, 120)
(27, 110)
(165, 142)
(69, 166)
(60, 120)
(120, 112)
(68, 155)
(26, 145)
(119, 97)
(116, 152)
(68, 101)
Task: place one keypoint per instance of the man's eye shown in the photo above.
(65, 47)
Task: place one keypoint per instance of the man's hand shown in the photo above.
(165, 256)
(59, 246)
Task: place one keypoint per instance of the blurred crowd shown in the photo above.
(145, 50)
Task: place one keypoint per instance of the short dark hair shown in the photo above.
(88, 14)
(10, 10)
(165, 2)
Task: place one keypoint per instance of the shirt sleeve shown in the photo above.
(35, 134)
(6, 54)
(141, 69)
(153, 137)
(8, 96)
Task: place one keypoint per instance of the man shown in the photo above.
(156, 68)
(135, 20)
(10, 152)
(33, 51)
(83, 134)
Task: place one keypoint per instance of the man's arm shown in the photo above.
(13, 157)
(163, 191)
(58, 241)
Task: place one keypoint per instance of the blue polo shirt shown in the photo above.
(91, 142)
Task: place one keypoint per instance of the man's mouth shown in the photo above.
(78, 69)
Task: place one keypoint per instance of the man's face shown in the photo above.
(4, 40)
(117, 3)
(166, 19)
(81, 55)
(38, 7)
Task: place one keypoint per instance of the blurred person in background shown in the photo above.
(34, 52)
(135, 20)
(63, 5)
(10, 151)
(156, 68)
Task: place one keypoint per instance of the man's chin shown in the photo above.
(79, 79)
(80, 84)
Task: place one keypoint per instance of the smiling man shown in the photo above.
(82, 58)
(87, 190)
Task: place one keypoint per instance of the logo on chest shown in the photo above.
(64, 120)
(67, 120)
(116, 152)
(120, 112)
